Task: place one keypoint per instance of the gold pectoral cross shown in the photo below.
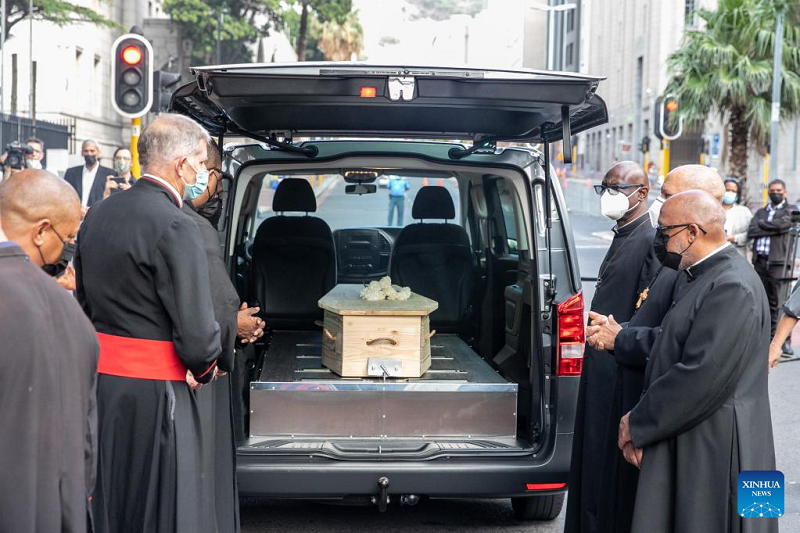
(642, 297)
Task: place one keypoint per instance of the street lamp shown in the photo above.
(551, 27)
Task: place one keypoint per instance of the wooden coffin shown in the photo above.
(376, 338)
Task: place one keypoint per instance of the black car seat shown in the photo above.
(435, 259)
(294, 260)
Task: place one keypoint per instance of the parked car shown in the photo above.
(493, 417)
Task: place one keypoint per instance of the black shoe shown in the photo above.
(787, 349)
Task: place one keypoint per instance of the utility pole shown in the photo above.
(223, 11)
(31, 79)
(776, 97)
(2, 69)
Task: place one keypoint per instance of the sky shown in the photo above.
(493, 38)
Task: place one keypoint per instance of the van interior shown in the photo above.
(464, 242)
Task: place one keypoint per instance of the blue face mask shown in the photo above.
(199, 186)
(729, 197)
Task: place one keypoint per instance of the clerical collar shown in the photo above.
(693, 271)
(161, 181)
(632, 225)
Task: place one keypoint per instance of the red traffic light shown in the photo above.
(132, 55)
(671, 105)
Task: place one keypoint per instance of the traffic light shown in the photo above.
(666, 127)
(163, 86)
(131, 75)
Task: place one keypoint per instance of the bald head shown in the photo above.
(32, 201)
(700, 225)
(693, 177)
(627, 173)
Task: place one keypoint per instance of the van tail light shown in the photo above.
(571, 336)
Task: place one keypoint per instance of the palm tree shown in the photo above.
(727, 68)
(339, 42)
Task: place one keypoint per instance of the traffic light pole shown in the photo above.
(776, 98)
(665, 154)
(136, 129)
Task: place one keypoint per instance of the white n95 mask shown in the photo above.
(655, 210)
(615, 206)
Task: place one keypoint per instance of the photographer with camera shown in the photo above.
(14, 157)
(34, 158)
(769, 230)
(124, 178)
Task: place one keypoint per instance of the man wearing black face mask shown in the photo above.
(49, 359)
(89, 179)
(630, 345)
(770, 230)
(704, 414)
(214, 400)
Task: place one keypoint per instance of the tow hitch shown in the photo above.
(383, 498)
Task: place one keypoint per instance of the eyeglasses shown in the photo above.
(613, 190)
(661, 229)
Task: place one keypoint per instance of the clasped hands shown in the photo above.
(631, 454)
(602, 331)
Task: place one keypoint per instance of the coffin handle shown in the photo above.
(431, 334)
(330, 336)
(382, 339)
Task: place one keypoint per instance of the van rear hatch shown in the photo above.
(357, 100)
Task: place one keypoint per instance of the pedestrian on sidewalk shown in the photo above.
(628, 267)
(769, 230)
(737, 216)
(159, 341)
(398, 186)
(48, 361)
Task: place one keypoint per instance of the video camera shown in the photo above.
(15, 155)
(795, 217)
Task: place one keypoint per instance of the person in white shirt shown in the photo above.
(737, 216)
(89, 179)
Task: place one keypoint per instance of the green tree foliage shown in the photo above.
(306, 18)
(726, 68)
(444, 9)
(56, 11)
(242, 25)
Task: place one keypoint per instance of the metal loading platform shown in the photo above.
(460, 396)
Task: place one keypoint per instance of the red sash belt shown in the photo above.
(139, 358)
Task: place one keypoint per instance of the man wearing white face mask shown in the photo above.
(627, 269)
(142, 278)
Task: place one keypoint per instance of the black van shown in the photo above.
(486, 235)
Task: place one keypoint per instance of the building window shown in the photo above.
(689, 12)
(570, 53)
(571, 20)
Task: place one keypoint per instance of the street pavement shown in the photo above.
(592, 240)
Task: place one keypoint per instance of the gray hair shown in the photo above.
(87, 141)
(168, 137)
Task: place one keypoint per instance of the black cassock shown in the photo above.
(705, 415)
(629, 266)
(215, 398)
(142, 278)
(48, 420)
(631, 353)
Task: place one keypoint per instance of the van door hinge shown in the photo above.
(401, 88)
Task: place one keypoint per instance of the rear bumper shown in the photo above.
(455, 477)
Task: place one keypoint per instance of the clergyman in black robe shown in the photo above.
(214, 399)
(143, 280)
(627, 269)
(704, 416)
(48, 359)
(631, 347)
